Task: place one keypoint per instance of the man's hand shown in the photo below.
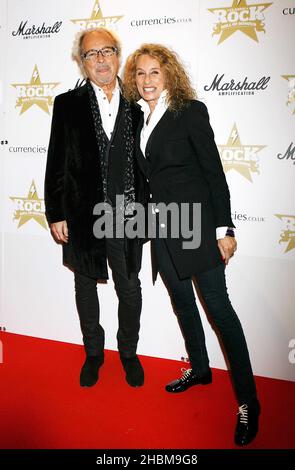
(227, 246)
(59, 231)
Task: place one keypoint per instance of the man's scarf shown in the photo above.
(103, 142)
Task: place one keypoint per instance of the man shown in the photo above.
(90, 160)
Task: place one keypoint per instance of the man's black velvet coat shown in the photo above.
(73, 183)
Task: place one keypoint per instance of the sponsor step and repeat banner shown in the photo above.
(240, 56)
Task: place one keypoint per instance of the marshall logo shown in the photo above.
(29, 32)
(233, 87)
(249, 19)
(291, 90)
(289, 154)
(238, 157)
(97, 19)
(288, 232)
(35, 92)
(30, 207)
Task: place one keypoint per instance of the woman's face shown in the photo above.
(150, 79)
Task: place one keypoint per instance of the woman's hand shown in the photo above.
(227, 246)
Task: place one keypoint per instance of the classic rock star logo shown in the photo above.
(249, 19)
(30, 207)
(291, 90)
(288, 232)
(97, 19)
(238, 157)
(35, 92)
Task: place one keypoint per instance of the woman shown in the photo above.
(178, 157)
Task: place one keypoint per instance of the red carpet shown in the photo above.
(43, 407)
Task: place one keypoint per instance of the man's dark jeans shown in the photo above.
(129, 294)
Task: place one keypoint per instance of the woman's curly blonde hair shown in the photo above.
(177, 81)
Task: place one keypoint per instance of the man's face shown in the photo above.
(100, 70)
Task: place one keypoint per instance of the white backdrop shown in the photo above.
(253, 43)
